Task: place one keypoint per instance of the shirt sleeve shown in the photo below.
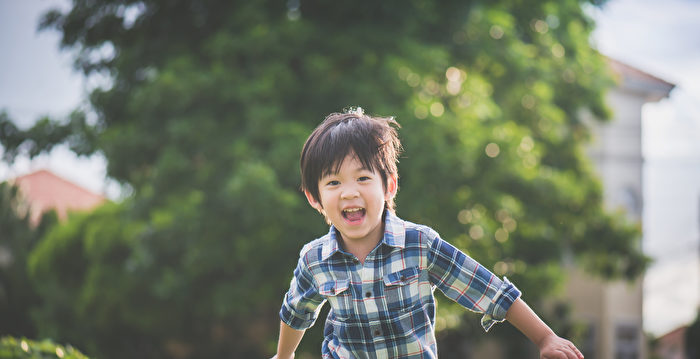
(468, 283)
(302, 302)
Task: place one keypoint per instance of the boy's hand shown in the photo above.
(555, 347)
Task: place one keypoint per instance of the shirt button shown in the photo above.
(377, 332)
(368, 294)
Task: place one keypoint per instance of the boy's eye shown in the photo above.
(364, 178)
(333, 183)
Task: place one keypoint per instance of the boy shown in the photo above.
(377, 271)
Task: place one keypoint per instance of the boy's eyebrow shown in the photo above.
(330, 172)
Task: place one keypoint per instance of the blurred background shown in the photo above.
(151, 209)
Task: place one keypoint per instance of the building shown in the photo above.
(42, 191)
(613, 310)
(672, 345)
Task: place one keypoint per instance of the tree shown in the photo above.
(17, 238)
(210, 102)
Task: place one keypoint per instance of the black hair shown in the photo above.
(372, 139)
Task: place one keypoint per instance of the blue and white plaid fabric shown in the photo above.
(386, 308)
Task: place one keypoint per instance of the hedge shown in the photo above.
(24, 348)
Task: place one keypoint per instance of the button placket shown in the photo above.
(368, 294)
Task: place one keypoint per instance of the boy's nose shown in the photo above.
(349, 192)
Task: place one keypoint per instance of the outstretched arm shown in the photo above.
(288, 342)
(551, 346)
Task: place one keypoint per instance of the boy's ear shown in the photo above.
(312, 201)
(392, 186)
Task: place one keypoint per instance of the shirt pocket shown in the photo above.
(339, 296)
(401, 289)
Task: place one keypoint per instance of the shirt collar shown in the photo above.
(394, 235)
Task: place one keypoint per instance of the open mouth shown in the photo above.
(354, 214)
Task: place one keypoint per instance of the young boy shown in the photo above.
(377, 271)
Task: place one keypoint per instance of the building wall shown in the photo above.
(616, 151)
(614, 310)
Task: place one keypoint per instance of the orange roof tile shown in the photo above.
(44, 190)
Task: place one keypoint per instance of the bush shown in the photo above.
(11, 347)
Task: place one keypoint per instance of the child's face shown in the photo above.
(353, 200)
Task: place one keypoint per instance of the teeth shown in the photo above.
(352, 210)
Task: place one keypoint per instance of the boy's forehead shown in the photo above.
(351, 160)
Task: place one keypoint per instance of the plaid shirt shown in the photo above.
(385, 307)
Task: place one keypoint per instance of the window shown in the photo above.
(627, 341)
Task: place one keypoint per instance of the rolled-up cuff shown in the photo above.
(296, 320)
(504, 298)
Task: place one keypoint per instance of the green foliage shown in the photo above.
(129, 287)
(45, 134)
(209, 104)
(17, 238)
(14, 348)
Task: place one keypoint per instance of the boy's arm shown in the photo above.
(550, 345)
(288, 342)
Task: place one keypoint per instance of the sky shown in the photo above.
(661, 38)
(36, 79)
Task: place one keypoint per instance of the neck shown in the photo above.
(362, 248)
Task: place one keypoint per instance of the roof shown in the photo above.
(672, 344)
(674, 335)
(636, 80)
(43, 191)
